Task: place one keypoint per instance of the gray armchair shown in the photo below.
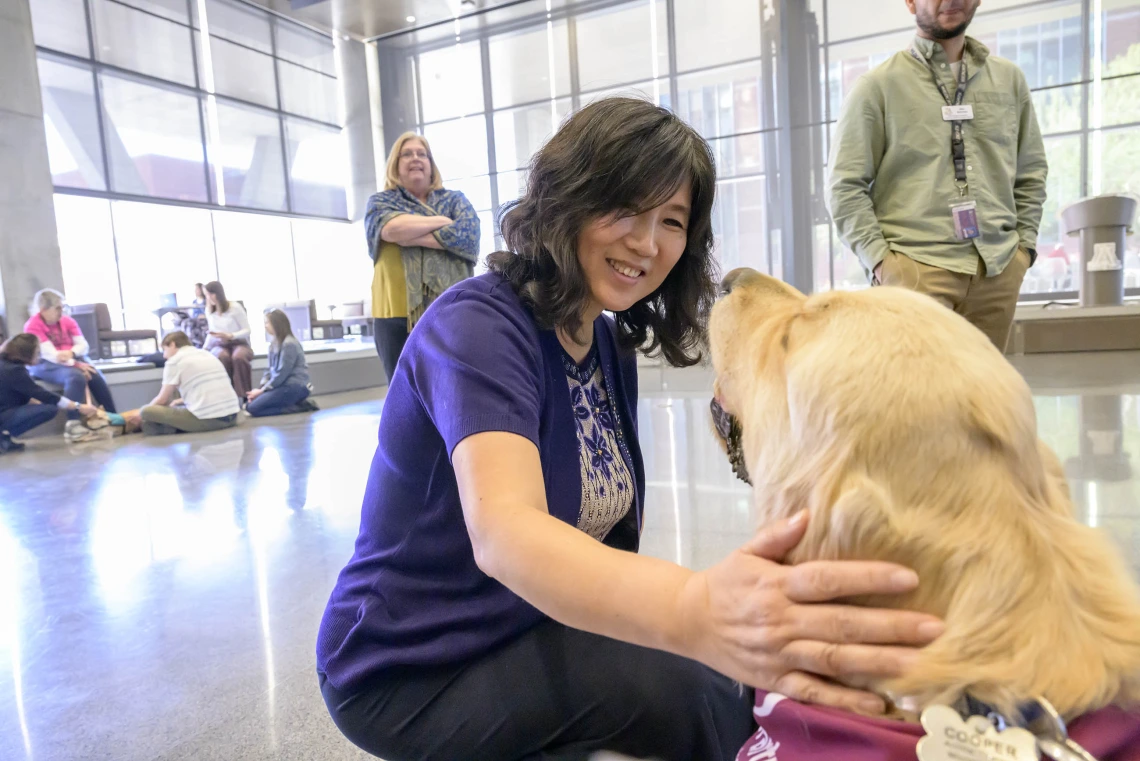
(95, 322)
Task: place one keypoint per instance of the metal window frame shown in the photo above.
(570, 13)
(98, 68)
(100, 114)
(63, 190)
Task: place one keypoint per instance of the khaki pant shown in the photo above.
(162, 421)
(987, 302)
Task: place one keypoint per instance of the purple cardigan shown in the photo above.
(412, 594)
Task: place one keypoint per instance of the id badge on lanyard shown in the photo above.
(965, 213)
(963, 210)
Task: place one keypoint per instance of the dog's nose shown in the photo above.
(736, 278)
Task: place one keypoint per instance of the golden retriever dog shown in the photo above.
(912, 440)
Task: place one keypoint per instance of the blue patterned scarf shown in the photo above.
(428, 271)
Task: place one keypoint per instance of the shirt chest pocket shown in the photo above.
(995, 118)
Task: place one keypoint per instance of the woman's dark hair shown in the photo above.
(199, 291)
(20, 348)
(216, 288)
(626, 156)
(279, 321)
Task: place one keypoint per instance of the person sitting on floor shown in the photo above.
(63, 353)
(285, 387)
(24, 404)
(208, 402)
(229, 337)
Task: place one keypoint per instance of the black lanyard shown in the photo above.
(957, 144)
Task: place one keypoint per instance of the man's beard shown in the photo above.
(930, 26)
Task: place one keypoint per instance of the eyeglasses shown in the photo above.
(413, 154)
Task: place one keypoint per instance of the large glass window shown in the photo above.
(238, 89)
(240, 24)
(132, 39)
(712, 32)
(241, 72)
(161, 249)
(451, 81)
(628, 43)
(721, 101)
(175, 10)
(522, 131)
(459, 146)
(738, 222)
(304, 47)
(308, 93)
(87, 252)
(261, 259)
(333, 267)
(248, 153)
(61, 25)
(231, 108)
(154, 140)
(256, 281)
(75, 151)
(318, 158)
(530, 65)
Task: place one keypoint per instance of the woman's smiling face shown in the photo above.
(415, 166)
(627, 258)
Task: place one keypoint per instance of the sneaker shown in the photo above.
(7, 445)
(76, 433)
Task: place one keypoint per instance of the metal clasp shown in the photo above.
(1053, 736)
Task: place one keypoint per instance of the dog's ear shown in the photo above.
(759, 286)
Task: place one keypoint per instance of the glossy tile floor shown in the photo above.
(159, 598)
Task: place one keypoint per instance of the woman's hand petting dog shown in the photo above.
(768, 625)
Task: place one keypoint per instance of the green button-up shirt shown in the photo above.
(892, 175)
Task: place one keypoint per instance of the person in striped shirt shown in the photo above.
(208, 401)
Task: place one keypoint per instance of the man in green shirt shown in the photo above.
(939, 188)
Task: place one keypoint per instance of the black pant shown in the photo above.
(554, 694)
(390, 335)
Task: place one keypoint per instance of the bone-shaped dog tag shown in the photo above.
(948, 738)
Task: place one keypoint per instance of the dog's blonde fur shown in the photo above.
(912, 440)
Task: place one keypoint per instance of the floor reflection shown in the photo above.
(159, 598)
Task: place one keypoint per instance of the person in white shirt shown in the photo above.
(208, 400)
(229, 337)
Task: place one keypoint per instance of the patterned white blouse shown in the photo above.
(607, 484)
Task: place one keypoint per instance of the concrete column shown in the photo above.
(398, 87)
(357, 125)
(29, 247)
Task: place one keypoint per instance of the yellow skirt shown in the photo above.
(389, 286)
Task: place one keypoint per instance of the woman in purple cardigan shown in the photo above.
(495, 607)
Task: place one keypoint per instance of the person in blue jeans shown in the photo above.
(24, 404)
(63, 353)
(285, 385)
